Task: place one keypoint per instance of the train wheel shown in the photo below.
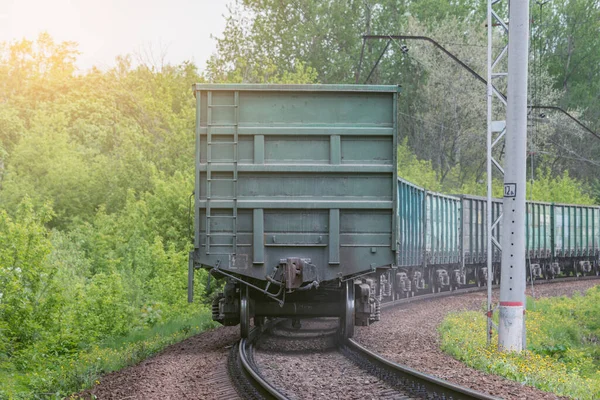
(347, 320)
(244, 312)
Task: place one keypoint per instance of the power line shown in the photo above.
(461, 63)
(577, 157)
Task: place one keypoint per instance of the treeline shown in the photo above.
(442, 107)
(96, 172)
(96, 182)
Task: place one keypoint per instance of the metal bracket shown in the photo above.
(263, 291)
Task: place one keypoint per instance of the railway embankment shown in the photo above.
(562, 353)
(407, 335)
(412, 338)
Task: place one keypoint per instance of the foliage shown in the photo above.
(442, 106)
(559, 189)
(95, 185)
(562, 354)
(565, 41)
(545, 187)
(419, 172)
(29, 296)
(57, 378)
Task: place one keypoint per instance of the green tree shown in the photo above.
(34, 71)
(566, 39)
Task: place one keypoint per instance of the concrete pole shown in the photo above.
(512, 287)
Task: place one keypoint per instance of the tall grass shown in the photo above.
(562, 355)
(60, 377)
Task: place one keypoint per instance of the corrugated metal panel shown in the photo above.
(575, 230)
(596, 230)
(443, 225)
(539, 229)
(410, 224)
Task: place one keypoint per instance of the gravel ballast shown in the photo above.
(312, 368)
(194, 368)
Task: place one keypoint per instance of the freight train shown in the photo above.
(298, 206)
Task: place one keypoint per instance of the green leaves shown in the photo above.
(98, 249)
(29, 297)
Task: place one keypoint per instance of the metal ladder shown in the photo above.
(209, 179)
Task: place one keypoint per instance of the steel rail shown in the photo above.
(433, 386)
(422, 383)
(245, 348)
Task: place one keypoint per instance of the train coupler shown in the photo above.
(297, 271)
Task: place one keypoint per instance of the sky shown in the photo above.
(179, 29)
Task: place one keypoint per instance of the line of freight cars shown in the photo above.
(443, 240)
(297, 206)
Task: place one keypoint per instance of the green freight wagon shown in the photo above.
(575, 239)
(429, 255)
(442, 241)
(295, 196)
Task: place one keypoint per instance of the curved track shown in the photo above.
(385, 379)
(197, 367)
(245, 373)
(403, 382)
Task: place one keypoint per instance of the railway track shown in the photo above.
(399, 381)
(416, 383)
(421, 384)
(386, 380)
(244, 372)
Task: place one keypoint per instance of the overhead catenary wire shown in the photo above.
(536, 105)
(570, 158)
(465, 66)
